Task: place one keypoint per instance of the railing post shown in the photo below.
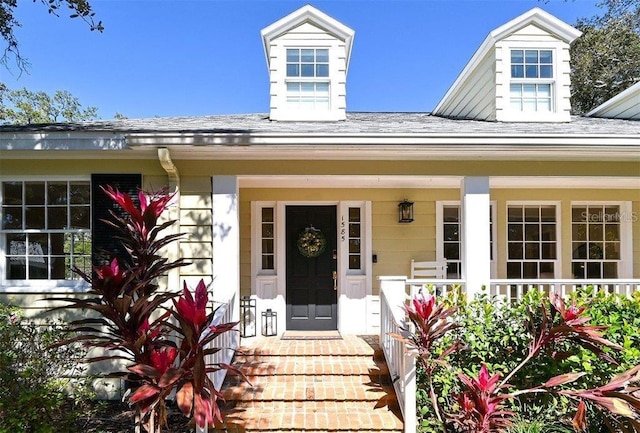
(395, 292)
(410, 389)
(402, 364)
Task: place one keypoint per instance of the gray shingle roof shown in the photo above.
(356, 124)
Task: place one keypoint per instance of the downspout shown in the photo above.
(164, 156)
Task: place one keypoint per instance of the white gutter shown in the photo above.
(68, 141)
(390, 140)
(164, 156)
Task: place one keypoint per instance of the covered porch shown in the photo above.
(497, 232)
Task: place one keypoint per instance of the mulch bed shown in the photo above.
(115, 416)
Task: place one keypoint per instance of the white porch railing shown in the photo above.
(512, 290)
(228, 342)
(435, 287)
(396, 290)
(402, 365)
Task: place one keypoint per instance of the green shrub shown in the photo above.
(34, 376)
(495, 334)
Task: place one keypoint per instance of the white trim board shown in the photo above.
(350, 182)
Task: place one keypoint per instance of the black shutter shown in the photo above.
(104, 243)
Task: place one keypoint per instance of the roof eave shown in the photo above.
(631, 92)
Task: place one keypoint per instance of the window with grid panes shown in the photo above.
(355, 238)
(268, 238)
(532, 241)
(451, 229)
(531, 80)
(46, 229)
(308, 78)
(595, 241)
(451, 240)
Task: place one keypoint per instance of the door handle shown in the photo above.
(335, 281)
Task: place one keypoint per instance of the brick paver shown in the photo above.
(311, 386)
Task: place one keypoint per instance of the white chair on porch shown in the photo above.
(428, 271)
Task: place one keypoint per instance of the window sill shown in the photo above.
(45, 286)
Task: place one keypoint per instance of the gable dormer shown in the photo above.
(307, 56)
(520, 73)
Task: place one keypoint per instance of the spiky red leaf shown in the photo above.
(184, 398)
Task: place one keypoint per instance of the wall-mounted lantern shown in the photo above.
(248, 320)
(269, 323)
(405, 211)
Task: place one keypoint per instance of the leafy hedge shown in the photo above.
(495, 334)
(34, 376)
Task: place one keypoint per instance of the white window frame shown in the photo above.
(627, 218)
(536, 81)
(256, 238)
(557, 267)
(44, 285)
(316, 106)
(510, 114)
(315, 62)
(440, 205)
(537, 99)
(365, 235)
(318, 102)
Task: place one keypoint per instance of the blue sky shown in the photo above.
(191, 58)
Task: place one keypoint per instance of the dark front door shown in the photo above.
(311, 262)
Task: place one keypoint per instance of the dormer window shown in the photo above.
(520, 73)
(531, 80)
(308, 78)
(308, 57)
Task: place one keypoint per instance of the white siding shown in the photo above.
(476, 97)
(625, 105)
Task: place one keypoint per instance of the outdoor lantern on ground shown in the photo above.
(248, 317)
(405, 211)
(269, 323)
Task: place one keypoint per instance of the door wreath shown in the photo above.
(311, 242)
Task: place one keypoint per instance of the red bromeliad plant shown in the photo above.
(164, 349)
(480, 406)
(431, 322)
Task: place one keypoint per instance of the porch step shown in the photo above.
(311, 386)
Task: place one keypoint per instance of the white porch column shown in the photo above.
(226, 240)
(476, 244)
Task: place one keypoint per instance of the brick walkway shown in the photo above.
(311, 386)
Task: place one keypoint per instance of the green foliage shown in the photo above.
(604, 61)
(623, 11)
(496, 334)
(24, 106)
(77, 9)
(34, 376)
(524, 425)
